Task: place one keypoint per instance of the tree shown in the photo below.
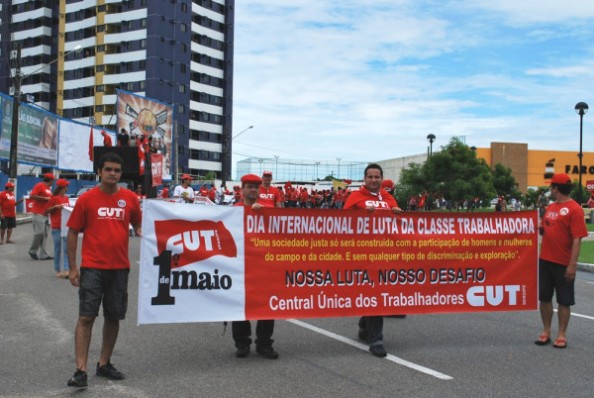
(504, 183)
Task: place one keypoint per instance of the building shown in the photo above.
(530, 167)
(76, 53)
(301, 169)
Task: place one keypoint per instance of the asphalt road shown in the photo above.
(458, 355)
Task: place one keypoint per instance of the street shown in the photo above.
(456, 355)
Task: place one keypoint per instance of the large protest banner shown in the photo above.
(215, 263)
(148, 118)
(38, 134)
(74, 145)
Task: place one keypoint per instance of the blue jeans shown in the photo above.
(59, 250)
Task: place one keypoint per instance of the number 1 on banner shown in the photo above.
(164, 295)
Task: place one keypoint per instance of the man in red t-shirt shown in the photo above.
(8, 205)
(40, 196)
(104, 214)
(242, 330)
(372, 196)
(269, 195)
(562, 229)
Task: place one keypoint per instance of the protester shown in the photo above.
(54, 209)
(40, 196)
(123, 138)
(104, 213)
(269, 195)
(242, 330)
(562, 229)
(184, 190)
(372, 196)
(165, 192)
(8, 204)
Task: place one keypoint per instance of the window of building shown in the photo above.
(181, 109)
(183, 27)
(182, 88)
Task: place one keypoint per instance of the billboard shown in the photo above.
(146, 118)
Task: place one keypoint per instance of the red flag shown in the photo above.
(141, 155)
(157, 168)
(91, 145)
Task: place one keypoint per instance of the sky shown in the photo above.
(368, 80)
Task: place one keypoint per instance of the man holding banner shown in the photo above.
(562, 229)
(250, 186)
(40, 196)
(372, 196)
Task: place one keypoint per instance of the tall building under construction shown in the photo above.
(75, 54)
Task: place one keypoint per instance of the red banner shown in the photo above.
(311, 264)
(157, 168)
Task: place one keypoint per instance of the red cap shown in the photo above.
(9, 185)
(186, 177)
(62, 183)
(48, 176)
(251, 178)
(267, 173)
(561, 179)
(388, 184)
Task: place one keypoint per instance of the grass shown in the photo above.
(587, 252)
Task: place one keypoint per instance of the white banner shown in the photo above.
(73, 146)
(203, 280)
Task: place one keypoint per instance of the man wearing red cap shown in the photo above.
(242, 330)
(269, 195)
(8, 205)
(562, 229)
(372, 196)
(184, 190)
(40, 196)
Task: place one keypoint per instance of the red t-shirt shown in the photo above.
(562, 223)
(363, 198)
(38, 206)
(269, 197)
(105, 221)
(56, 214)
(8, 204)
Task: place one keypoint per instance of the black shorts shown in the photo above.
(107, 286)
(551, 278)
(8, 222)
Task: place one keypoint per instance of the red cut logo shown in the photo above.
(192, 241)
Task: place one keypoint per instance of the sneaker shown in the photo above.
(267, 352)
(109, 372)
(378, 350)
(79, 379)
(242, 351)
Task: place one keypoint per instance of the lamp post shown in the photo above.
(276, 166)
(226, 158)
(260, 160)
(18, 78)
(338, 172)
(431, 138)
(581, 108)
(317, 169)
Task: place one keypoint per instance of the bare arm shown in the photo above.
(575, 253)
(71, 247)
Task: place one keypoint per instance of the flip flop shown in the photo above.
(560, 343)
(543, 339)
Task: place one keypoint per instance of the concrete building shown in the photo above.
(76, 53)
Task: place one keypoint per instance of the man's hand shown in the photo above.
(74, 276)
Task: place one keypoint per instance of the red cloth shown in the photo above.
(106, 139)
(91, 145)
(363, 198)
(562, 223)
(105, 220)
(56, 214)
(269, 197)
(8, 204)
(38, 206)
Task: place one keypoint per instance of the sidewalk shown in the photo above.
(26, 218)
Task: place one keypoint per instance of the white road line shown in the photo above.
(580, 315)
(364, 347)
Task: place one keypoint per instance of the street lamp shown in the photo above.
(581, 108)
(276, 166)
(431, 138)
(226, 155)
(338, 173)
(18, 78)
(242, 131)
(317, 168)
(260, 160)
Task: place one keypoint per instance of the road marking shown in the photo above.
(580, 315)
(364, 347)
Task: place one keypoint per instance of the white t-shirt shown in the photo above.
(179, 191)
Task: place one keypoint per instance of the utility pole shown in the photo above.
(14, 136)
